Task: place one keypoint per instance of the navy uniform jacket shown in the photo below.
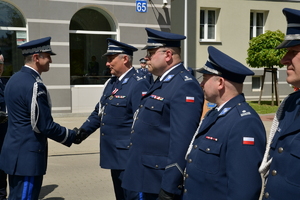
(24, 150)
(283, 181)
(227, 152)
(3, 126)
(163, 128)
(144, 72)
(117, 117)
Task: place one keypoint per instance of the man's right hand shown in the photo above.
(80, 135)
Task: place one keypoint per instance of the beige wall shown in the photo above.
(233, 32)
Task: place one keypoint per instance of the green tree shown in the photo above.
(262, 52)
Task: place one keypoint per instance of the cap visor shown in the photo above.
(288, 43)
(109, 54)
(151, 47)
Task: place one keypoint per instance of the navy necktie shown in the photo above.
(156, 83)
(115, 84)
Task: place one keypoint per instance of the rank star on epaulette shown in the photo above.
(244, 113)
(156, 97)
(186, 78)
(139, 78)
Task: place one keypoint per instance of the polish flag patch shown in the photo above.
(144, 93)
(248, 140)
(190, 99)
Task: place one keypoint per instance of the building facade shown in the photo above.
(229, 25)
(79, 29)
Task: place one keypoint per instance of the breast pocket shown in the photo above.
(119, 107)
(154, 109)
(208, 156)
(293, 175)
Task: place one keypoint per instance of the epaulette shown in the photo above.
(186, 76)
(138, 76)
(242, 110)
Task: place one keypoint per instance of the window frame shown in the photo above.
(259, 78)
(254, 26)
(206, 25)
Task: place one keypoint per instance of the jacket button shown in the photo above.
(274, 172)
(130, 144)
(190, 160)
(280, 150)
(267, 195)
(186, 175)
(104, 113)
(180, 186)
(156, 166)
(102, 124)
(207, 149)
(195, 146)
(102, 133)
(152, 107)
(141, 106)
(185, 190)
(132, 131)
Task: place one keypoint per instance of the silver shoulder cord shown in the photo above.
(135, 116)
(101, 109)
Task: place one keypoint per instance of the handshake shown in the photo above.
(80, 135)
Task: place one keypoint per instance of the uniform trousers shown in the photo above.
(24, 187)
(116, 176)
(3, 185)
(121, 193)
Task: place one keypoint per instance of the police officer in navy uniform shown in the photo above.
(114, 113)
(144, 71)
(281, 163)
(24, 151)
(165, 122)
(3, 128)
(227, 149)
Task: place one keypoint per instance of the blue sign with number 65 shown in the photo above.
(141, 6)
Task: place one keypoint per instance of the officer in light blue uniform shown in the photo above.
(281, 163)
(24, 152)
(114, 113)
(164, 123)
(144, 71)
(227, 148)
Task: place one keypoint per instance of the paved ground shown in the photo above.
(74, 173)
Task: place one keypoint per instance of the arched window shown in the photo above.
(89, 29)
(12, 33)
